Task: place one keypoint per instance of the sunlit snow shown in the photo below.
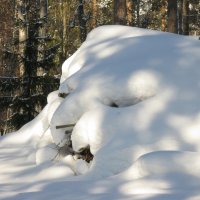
(133, 96)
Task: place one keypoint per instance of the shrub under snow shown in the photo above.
(133, 96)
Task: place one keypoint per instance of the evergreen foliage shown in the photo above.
(35, 81)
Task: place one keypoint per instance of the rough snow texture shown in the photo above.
(134, 97)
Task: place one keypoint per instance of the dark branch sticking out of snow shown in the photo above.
(63, 95)
(83, 154)
(66, 126)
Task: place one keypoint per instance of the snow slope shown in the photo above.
(134, 97)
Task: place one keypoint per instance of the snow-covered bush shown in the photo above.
(145, 74)
(129, 92)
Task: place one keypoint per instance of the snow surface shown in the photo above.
(133, 95)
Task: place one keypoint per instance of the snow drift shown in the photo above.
(133, 95)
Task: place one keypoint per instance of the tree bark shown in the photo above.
(82, 21)
(94, 13)
(180, 17)
(21, 16)
(185, 17)
(163, 16)
(42, 32)
(43, 8)
(120, 12)
(138, 13)
(172, 16)
(63, 31)
(130, 15)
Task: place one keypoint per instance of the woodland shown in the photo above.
(37, 36)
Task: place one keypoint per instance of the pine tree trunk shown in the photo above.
(82, 21)
(185, 17)
(180, 17)
(21, 16)
(138, 13)
(64, 13)
(163, 15)
(130, 15)
(172, 16)
(94, 13)
(43, 6)
(64, 25)
(120, 12)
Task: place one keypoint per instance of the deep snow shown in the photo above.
(145, 147)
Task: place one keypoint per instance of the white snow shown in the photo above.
(133, 96)
(46, 153)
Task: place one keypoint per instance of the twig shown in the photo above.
(65, 126)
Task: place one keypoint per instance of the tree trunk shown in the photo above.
(64, 25)
(180, 17)
(130, 15)
(94, 13)
(21, 16)
(185, 17)
(120, 12)
(172, 16)
(63, 31)
(82, 21)
(42, 32)
(138, 13)
(163, 16)
(43, 8)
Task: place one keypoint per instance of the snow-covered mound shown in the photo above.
(133, 95)
(153, 79)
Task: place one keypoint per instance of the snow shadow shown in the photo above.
(132, 96)
(152, 188)
(146, 73)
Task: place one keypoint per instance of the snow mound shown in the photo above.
(131, 96)
(46, 154)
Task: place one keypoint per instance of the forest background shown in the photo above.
(37, 36)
